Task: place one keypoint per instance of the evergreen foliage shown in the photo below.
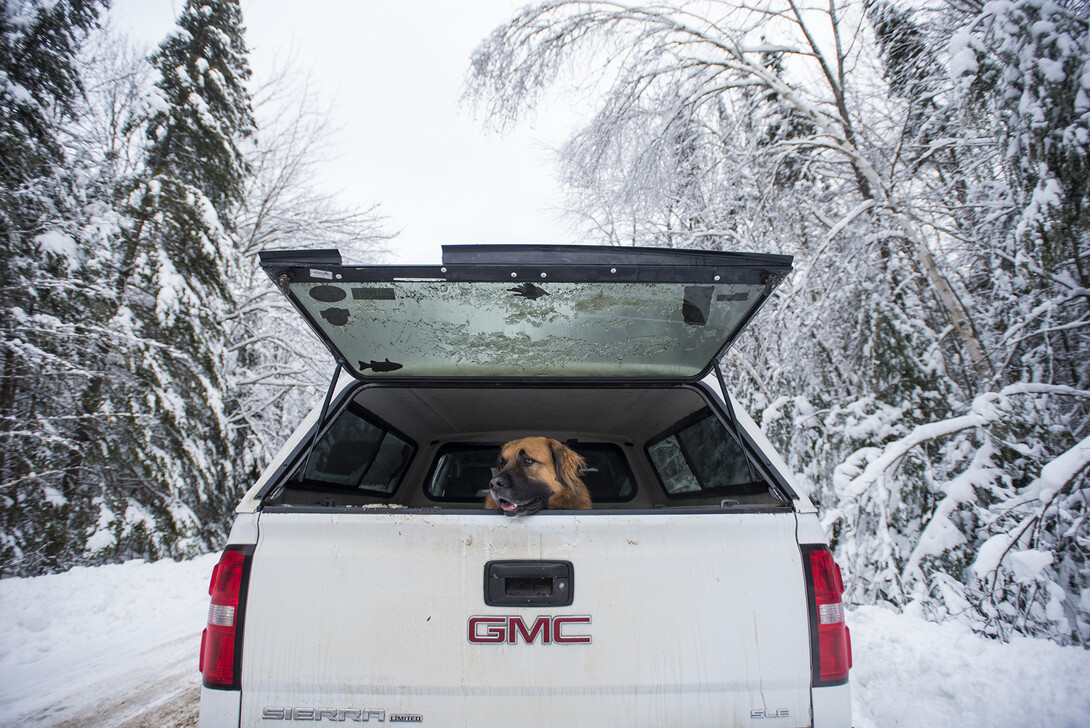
(173, 291)
(142, 386)
(42, 273)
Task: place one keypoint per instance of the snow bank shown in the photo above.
(100, 646)
(92, 640)
(909, 672)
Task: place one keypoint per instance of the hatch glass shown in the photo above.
(566, 321)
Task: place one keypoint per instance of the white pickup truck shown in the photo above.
(365, 582)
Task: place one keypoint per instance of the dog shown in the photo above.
(535, 473)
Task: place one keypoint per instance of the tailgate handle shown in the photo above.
(528, 583)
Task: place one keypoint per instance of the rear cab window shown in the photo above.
(462, 472)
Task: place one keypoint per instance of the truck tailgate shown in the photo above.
(679, 619)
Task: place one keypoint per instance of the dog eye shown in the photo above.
(528, 460)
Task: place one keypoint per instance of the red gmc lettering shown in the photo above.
(562, 639)
(517, 627)
(509, 630)
(495, 630)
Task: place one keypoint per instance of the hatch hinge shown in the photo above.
(771, 280)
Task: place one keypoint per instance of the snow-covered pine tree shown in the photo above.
(171, 454)
(42, 300)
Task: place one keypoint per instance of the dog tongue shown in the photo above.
(508, 505)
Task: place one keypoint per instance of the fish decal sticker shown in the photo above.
(380, 366)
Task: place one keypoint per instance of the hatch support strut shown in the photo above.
(321, 420)
(737, 432)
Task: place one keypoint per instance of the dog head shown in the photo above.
(535, 473)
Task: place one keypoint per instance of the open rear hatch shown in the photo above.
(530, 311)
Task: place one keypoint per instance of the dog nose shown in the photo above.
(500, 481)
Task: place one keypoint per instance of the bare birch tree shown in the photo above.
(278, 366)
(677, 64)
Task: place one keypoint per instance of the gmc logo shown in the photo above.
(497, 630)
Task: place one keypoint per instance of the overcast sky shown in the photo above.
(393, 70)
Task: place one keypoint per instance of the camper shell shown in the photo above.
(365, 581)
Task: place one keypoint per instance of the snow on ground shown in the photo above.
(909, 672)
(118, 646)
(104, 646)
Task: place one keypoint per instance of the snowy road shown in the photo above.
(106, 646)
(117, 646)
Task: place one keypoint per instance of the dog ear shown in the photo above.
(567, 463)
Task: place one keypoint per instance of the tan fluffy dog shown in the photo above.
(535, 473)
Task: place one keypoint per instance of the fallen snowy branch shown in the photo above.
(1056, 476)
(985, 411)
(896, 450)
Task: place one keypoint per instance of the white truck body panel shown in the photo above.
(722, 637)
(219, 708)
(832, 706)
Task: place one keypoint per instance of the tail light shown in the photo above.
(830, 642)
(221, 642)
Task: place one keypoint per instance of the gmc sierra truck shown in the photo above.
(365, 582)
